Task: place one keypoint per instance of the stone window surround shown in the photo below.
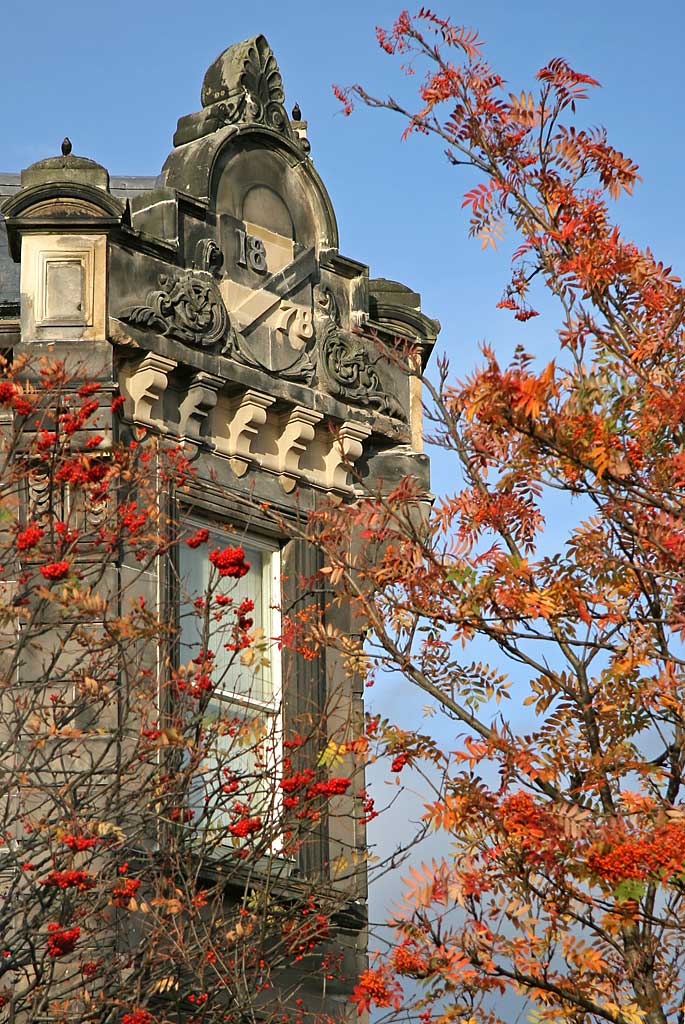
(43, 312)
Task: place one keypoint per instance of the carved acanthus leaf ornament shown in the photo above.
(263, 85)
(244, 86)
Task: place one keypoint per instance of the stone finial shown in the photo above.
(66, 146)
(242, 86)
(249, 67)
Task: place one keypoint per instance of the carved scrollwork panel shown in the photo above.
(188, 308)
(345, 366)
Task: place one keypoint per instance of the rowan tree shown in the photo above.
(148, 836)
(563, 876)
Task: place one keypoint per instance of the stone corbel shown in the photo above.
(297, 434)
(197, 405)
(41, 494)
(143, 386)
(240, 424)
(347, 446)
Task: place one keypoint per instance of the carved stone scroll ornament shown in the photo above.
(345, 367)
(42, 494)
(209, 257)
(188, 308)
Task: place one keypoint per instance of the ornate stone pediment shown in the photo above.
(261, 338)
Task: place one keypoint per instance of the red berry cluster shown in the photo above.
(124, 891)
(230, 562)
(199, 537)
(245, 827)
(137, 1016)
(55, 570)
(72, 879)
(29, 537)
(331, 787)
(80, 843)
(61, 940)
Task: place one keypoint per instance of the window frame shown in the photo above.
(274, 708)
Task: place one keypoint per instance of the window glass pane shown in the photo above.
(242, 756)
(248, 682)
(237, 767)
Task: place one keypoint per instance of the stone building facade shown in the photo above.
(215, 298)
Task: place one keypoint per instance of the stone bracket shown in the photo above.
(297, 434)
(249, 428)
(201, 398)
(347, 447)
(143, 386)
(243, 418)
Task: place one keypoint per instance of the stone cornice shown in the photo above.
(134, 343)
(21, 202)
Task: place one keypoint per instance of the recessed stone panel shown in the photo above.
(63, 286)
(64, 291)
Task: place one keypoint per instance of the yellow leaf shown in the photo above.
(331, 754)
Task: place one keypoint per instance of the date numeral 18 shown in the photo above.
(251, 252)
